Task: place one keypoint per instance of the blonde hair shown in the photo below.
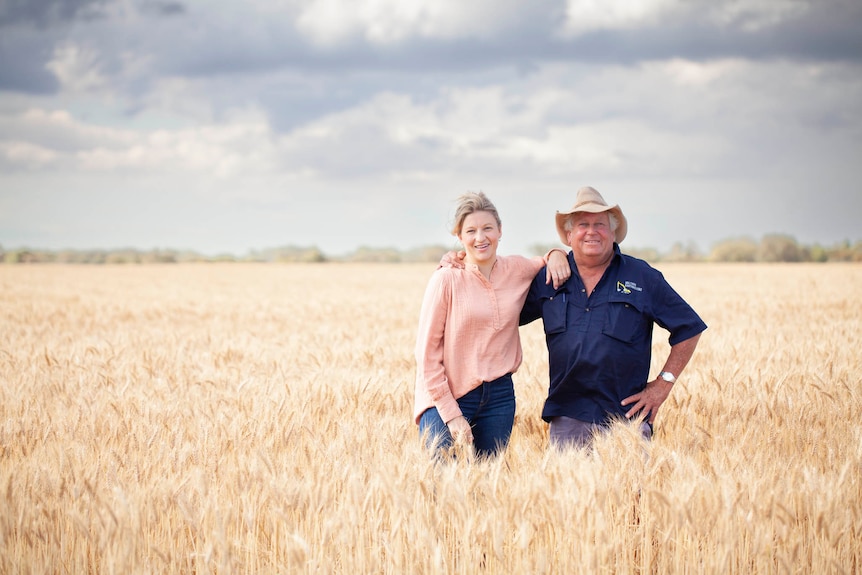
(469, 203)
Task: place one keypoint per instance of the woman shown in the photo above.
(468, 343)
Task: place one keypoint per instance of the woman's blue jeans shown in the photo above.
(490, 410)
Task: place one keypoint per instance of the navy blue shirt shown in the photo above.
(599, 344)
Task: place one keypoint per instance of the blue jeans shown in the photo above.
(490, 410)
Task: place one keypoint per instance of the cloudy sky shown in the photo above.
(233, 125)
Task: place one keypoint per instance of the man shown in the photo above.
(599, 325)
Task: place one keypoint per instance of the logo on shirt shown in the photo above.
(627, 287)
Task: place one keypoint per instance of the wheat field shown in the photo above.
(255, 418)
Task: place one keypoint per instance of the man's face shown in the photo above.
(591, 236)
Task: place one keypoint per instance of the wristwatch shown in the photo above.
(667, 376)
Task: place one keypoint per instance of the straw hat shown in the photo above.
(591, 201)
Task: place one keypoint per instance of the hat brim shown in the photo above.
(619, 234)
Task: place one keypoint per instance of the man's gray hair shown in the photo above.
(615, 223)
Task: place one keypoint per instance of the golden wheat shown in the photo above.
(256, 419)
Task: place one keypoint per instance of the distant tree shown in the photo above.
(426, 254)
(816, 253)
(845, 252)
(67, 257)
(647, 254)
(130, 256)
(375, 255)
(734, 250)
(22, 256)
(189, 256)
(680, 252)
(159, 257)
(114, 258)
(288, 254)
(778, 248)
(312, 256)
(542, 249)
(772, 248)
(94, 257)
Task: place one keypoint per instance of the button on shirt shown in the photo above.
(599, 344)
(468, 331)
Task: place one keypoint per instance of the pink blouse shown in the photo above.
(468, 331)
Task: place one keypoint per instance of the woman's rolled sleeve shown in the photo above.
(431, 380)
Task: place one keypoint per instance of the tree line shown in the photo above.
(770, 248)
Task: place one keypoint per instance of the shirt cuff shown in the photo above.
(449, 409)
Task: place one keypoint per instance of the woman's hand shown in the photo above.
(460, 430)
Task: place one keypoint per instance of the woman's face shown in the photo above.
(480, 235)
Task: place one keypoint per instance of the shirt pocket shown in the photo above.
(625, 322)
(554, 314)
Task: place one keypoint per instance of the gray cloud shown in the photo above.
(22, 63)
(43, 13)
(32, 31)
(164, 8)
(259, 112)
(231, 39)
